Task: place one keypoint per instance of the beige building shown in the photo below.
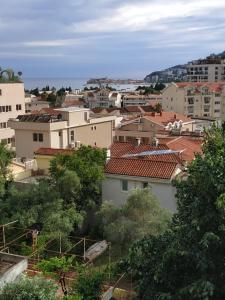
(146, 127)
(211, 69)
(12, 104)
(195, 99)
(70, 128)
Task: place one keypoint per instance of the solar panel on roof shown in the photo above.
(155, 152)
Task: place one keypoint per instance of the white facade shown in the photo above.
(103, 98)
(205, 70)
(12, 104)
(195, 101)
(112, 189)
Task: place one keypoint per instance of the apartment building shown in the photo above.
(12, 103)
(146, 127)
(69, 128)
(103, 98)
(196, 99)
(211, 69)
(134, 100)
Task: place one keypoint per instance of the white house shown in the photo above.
(142, 166)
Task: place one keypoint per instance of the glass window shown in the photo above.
(72, 136)
(35, 137)
(124, 185)
(40, 137)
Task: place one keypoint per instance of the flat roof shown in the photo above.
(72, 109)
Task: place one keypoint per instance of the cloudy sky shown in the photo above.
(118, 38)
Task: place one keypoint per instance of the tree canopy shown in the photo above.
(25, 288)
(141, 215)
(187, 261)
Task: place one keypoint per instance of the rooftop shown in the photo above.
(141, 168)
(166, 117)
(72, 109)
(53, 151)
(212, 86)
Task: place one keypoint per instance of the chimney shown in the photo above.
(137, 142)
(175, 116)
(108, 155)
(160, 113)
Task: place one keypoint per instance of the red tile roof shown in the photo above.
(119, 149)
(213, 86)
(165, 117)
(141, 168)
(53, 151)
(189, 146)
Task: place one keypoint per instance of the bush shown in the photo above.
(36, 288)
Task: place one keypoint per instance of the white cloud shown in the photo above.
(53, 43)
(145, 16)
(30, 54)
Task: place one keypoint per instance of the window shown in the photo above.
(216, 110)
(5, 108)
(72, 136)
(38, 137)
(18, 106)
(191, 100)
(35, 137)
(206, 99)
(3, 125)
(0, 92)
(124, 184)
(85, 116)
(145, 185)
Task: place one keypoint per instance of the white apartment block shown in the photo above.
(211, 69)
(71, 127)
(134, 100)
(103, 98)
(195, 99)
(12, 104)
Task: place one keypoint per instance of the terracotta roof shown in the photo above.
(121, 149)
(165, 117)
(133, 108)
(50, 111)
(141, 168)
(189, 146)
(213, 86)
(76, 102)
(53, 151)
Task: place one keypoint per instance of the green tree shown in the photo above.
(6, 156)
(41, 203)
(37, 288)
(141, 215)
(89, 285)
(187, 261)
(88, 163)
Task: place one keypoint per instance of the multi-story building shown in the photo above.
(206, 70)
(135, 99)
(69, 128)
(103, 98)
(12, 103)
(145, 128)
(196, 99)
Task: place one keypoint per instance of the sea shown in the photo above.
(74, 83)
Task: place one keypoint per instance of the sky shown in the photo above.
(114, 38)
